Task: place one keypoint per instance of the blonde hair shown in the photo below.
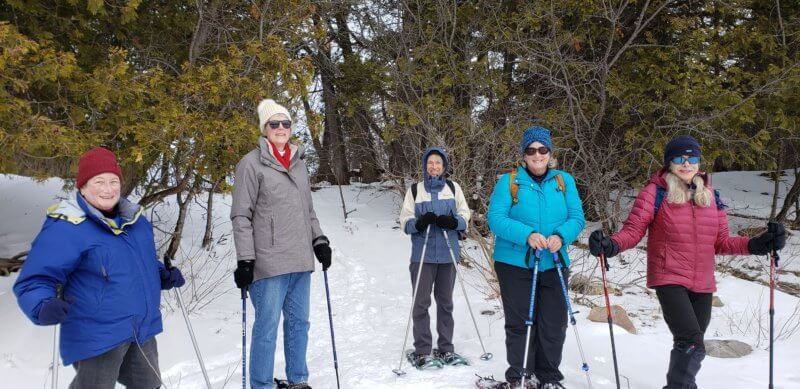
(679, 193)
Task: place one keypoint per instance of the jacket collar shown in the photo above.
(267, 158)
(76, 210)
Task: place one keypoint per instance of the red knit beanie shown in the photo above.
(96, 161)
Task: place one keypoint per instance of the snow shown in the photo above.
(370, 294)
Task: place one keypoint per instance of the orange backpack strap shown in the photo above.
(560, 182)
(513, 187)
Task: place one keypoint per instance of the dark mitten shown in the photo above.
(53, 311)
(425, 220)
(598, 243)
(764, 243)
(171, 278)
(447, 222)
(243, 275)
(323, 253)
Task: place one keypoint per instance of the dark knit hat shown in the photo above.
(96, 161)
(536, 134)
(681, 145)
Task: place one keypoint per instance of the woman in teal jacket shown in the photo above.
(535, 207)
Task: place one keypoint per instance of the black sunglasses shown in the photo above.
(274, 124)
(533, 150)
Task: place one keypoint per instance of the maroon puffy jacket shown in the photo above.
(682, 238)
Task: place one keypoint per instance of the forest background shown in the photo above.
(172, 87)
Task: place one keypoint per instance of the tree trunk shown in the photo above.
(177, 233)
(777, 188)
(208, 237)
(791, 198)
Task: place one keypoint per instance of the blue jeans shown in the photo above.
(287, 293)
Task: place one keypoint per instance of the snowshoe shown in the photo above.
(553, 385)
(284, 384)
(450, 358)
(423, 362)
(491, 383)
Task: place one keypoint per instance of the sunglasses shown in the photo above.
(274, 124)
(680, 160)
(533, 150)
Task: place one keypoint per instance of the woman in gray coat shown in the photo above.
(277, 235)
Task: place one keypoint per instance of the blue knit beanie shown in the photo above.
(681, 145)
(536, 134)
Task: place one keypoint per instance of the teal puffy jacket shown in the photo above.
(541, 208)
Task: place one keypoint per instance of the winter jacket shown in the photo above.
(109, 274)
(434, 195)
(541, 208)
(273, 218)
(682, 238)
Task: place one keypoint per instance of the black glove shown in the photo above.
(599, 243)
(446, 222)
(243, 275)
(53, 311)
(763, 244)
(425, 220)
(323, 253)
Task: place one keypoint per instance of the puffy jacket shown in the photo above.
(541, 208)
(682, 238)
(273, 218)
(109, 273)
(434, 195)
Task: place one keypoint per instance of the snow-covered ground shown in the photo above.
(371, 293)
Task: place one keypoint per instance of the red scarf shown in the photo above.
(285, 158)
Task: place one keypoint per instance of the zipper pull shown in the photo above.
(104, 272)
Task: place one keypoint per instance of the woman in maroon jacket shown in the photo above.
(685, 232)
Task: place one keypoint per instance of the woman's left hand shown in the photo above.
(554, 243)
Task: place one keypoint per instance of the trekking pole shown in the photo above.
(529, 322)
(603, 269)
(54, 383)
(168, 266)
(559, 268)
(330, 322)
(485, 356)
(399, 371)
(244, 337)
(772, 227)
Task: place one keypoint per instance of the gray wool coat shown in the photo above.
(273, 218)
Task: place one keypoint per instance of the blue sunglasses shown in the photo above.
(680, 160)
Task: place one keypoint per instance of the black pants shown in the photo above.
(687, 314)
(549, 329)
(439, 279)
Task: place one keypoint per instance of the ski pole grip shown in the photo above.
(167, 262)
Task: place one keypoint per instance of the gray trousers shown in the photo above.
(127, 364)
(440, 279)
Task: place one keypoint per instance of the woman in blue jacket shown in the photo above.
(539, 210)
(93, 269)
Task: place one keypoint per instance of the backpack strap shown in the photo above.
(452, 186)
(718, 200)
(561, 187)
(660, 193)
(513, 187)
